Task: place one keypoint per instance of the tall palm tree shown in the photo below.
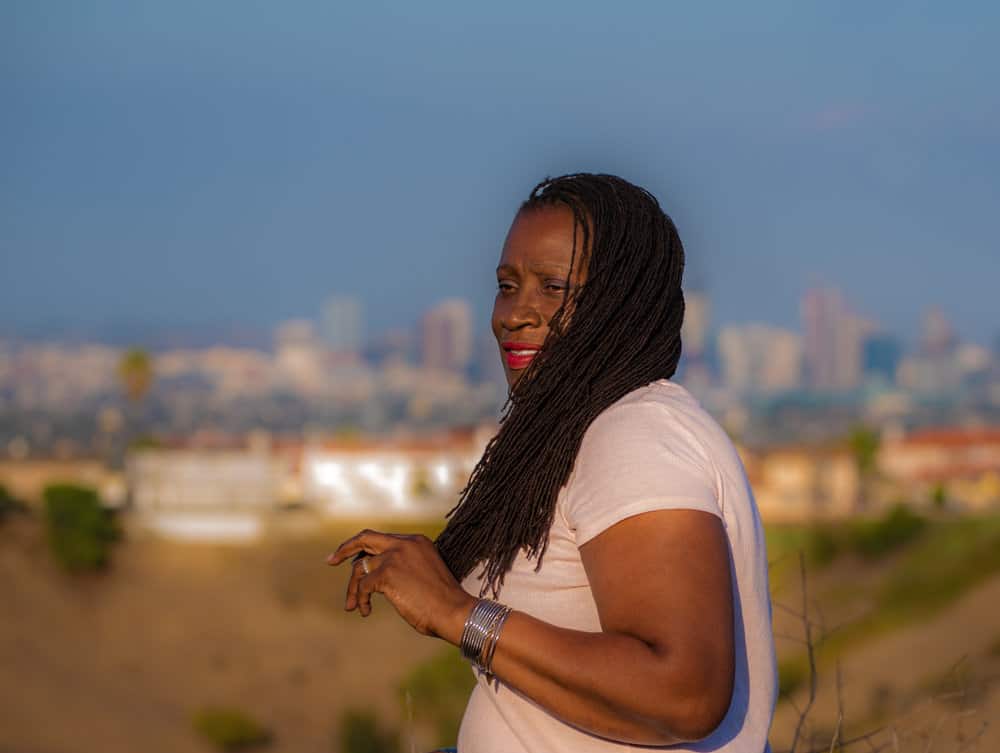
(135, 372)
(863, 443)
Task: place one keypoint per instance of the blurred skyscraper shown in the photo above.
(341, 324)
(934, 368)
(833, 340)
(446, 336)
(487, 365)
(881, 354)
(694, 339)
(937, 338)
(757, 358)
(391, 346)
(299, 355)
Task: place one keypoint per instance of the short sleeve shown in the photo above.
(636, 458)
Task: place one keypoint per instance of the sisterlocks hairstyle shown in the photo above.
(625, 333)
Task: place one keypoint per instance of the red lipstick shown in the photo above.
(519, 354)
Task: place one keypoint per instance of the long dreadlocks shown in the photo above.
(631, 306)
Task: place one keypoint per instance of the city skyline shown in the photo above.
(702, 326)
(168, 167)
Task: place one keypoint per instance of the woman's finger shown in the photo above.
(373, 542)
(361, 567)
(369, 584)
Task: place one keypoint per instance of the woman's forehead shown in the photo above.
(541, 236)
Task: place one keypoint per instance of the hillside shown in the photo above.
(121, 661)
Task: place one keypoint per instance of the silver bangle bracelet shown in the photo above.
(495, 635)
(492, 621)
(481, 632)
(474, 633)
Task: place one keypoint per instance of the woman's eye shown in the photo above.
(505, 287)
(556, 286)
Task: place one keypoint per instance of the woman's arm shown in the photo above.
(661, 670)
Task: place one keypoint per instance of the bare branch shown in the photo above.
(810, 649)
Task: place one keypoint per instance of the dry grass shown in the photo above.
(928, 686)
(121, 662)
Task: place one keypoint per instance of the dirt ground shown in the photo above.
(930, 686)
(120, 662)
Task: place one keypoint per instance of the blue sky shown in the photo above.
(232, 164)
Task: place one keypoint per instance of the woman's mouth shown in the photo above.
(519, 355)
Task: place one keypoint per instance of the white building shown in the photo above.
(204, 493)
(299, 356)
(758, 358)
(233, 492)
(408, 479)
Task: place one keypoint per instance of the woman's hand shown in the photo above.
(410, 573)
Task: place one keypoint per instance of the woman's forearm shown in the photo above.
(610, 684)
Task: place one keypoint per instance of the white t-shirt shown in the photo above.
(654, 449)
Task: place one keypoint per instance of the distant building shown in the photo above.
(26, 479)
(487, 365)
(299, 356)
(833, 335)
(960, 466)
(413, 478)
(697, 373)
(341, 325)
(798, 483)
(974, 363)
(881, 354)
(937, 337)
(446, 336)
(203, 493)
(228, 488)
(933, 370)
(757, 358)
(393, 346)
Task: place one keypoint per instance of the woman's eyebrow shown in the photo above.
(537, 267)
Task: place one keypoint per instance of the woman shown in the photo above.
(609, 522)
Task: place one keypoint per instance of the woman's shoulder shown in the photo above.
(661, 408)
(645, 452)
(662, 392)
(663, 414)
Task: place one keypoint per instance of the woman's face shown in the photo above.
(532, 279)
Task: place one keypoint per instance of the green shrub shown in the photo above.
(939, 496)
(360, 732)
(822, 545)
(439, 689)
(80, 531)
(230, 729)
(875, 538)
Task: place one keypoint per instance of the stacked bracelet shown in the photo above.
(481, 633)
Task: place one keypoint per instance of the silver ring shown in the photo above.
(364, 565)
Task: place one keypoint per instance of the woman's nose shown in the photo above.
(524, 312)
